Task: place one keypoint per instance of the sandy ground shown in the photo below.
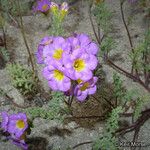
(77, 21)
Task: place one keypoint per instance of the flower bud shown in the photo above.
(64, 9)
(54, 7)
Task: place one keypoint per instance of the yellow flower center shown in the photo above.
(85, 86)
(45, 7)
(77, 47)
(79, 65)
(58, 75)
(20, 124)
(79, 81)
(58, 54)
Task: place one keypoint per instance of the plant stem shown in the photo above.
(129, 75)
(126, 27)
(70, 100)
(110, 63)
(80, 144)
(129, 36)
(24, 37)
(94, 30)
(4, 37)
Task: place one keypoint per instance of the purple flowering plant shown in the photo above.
(58, 14)
(16, 125)
(68, 61)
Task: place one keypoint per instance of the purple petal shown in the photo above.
(92, 48)
(83, 96)
(92, 62)
(92, 90)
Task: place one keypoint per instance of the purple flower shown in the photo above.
(74, 42)
(86, 43)
(5, 119)
(83, 89)
(17, 124)
(82, 41)
(80, 65)
(39, 54)
(42, 6)
(57, 80)
(54, 52)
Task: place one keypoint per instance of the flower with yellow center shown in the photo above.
(45, 7)
(58, 54)
(20, 124)
(42, 6)
(57, 80)
(82, 90)
(17, 124)
(58, 75)
(54, 51)
(79, 65)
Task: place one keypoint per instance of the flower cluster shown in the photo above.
(45, 5)
(16, 125)
(69, 64)
(59, 10)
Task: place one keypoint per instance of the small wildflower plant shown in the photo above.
(16, 126)
(57, 12)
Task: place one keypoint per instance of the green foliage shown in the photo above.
(103, 17)
(9, 8)
(58, 17)
(141, 54)
(2, 93)
(112, 122)
(2, 21)
(107, 45)
(5, 54)
(54, 110)
(56, 26)
(108, 141)
(118, 87)
(121, 93)
(141, 101)
(23, 79)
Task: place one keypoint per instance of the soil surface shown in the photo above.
(51, 134)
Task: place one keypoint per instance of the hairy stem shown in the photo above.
(24, 37)
(129, 36)
(80, 144)
(4, 38)
(126, 27)
(93, 27)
